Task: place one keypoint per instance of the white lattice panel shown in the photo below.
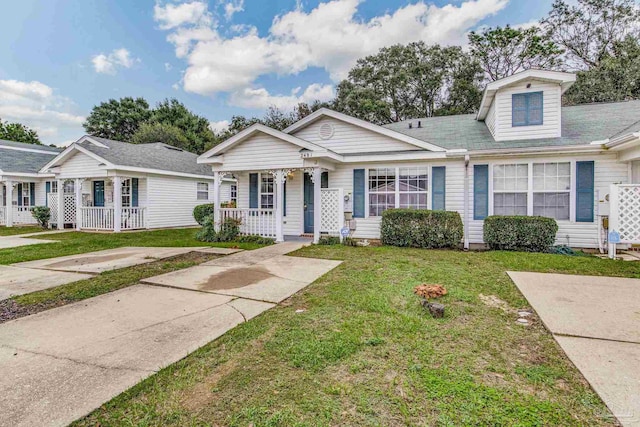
(52, 202)
(69, 208)
(628, 213)
(332, 215)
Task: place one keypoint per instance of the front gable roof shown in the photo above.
(325, 112)
(260, 128)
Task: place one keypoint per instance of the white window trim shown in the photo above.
(397, 190)
(572, 195)
(126, 183)
(260, 191)
(233, 198)
(529, 185)
(198, 191)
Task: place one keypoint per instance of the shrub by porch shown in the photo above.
(421, 228)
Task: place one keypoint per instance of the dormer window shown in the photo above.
(526, 109)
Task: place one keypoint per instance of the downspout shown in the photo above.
(466, 202)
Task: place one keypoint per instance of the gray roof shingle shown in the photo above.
(149, 156)
(581, 124)
(22, 160)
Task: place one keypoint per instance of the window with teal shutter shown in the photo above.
(134, 192)
(253, 191)
(19, 188)
(358, 193)
(480, 191)
(438, 194)
(32, 194)
(47, 190)
(526, 109)
(584, 191)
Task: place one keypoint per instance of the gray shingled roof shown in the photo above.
(581, 124)
(149, 156)
(19, 161)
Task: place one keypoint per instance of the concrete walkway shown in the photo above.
(596, 321)
(59, 365)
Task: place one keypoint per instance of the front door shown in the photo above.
(98, 193)
(308, 199)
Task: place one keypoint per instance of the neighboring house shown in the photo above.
(522, 154)
(113, 185)
(22, 186)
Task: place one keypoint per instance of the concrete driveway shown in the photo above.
(60, 364)
(596, 321)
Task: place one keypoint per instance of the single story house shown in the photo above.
(523, 153)
(21, 183)
(101, 184)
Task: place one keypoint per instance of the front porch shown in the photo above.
(104, 204)
(278, 202)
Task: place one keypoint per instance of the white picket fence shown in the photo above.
(22, 215)
(100, 218)
(261, 222)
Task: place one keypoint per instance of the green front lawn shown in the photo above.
(81, 242)
(363, 352)
(12, 231)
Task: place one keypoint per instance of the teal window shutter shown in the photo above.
(358, 193)
(47, 191)
(324, 180)
(480, 191)
(19, 195)
(32, 194)
(134, 192)
(526, 109)
(585, 172)
(253, 190)
(284, 200)
(438, 188)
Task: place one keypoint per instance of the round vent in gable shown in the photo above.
(326, 130)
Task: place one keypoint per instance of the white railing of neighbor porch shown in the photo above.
(261, 222)
(133, 218)
(624, 214)
(97, 218)
(332, 210)
(22, 215)
(3, 215)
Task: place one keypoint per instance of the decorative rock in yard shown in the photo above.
(523, 321)
(436, 309)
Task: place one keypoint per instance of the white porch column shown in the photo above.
(317, 208)
(60, 223)
(78, 189)
(9, 206)
(117, 204)
(279, 177)
(217, 181)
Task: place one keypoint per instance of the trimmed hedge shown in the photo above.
(421, 228)
(520, 233)
(200, 212)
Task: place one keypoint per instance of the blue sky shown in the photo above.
(59, 58)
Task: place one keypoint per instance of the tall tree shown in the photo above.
(194, 128)
(590, 29)
(414, 80)
(19, 133)
(160, 132)
(117, 119)
(506, 51)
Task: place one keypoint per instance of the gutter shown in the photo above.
(467, 159)
(529, 150)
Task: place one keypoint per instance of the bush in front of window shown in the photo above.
(520, 233)
(200, 212)
(421, 228)
(42, 214)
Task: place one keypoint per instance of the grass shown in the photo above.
(81, 242)
(13, 231)
(364, 353)
(108, 281)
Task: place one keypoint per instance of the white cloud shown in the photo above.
(330, 36)
(35, 105)
(192, 13)
(108, 64)
(233, 7)
(167, 66)
(219, 126)
(261, 98)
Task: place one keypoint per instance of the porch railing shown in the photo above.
(97, 218)
(100, 218)
(22, 215)
(3, 215)
(133, 218)
(261, 222)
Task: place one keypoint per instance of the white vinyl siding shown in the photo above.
(490, 120)
(262, 152)
(503, 130)
(349, 138)
(81, 165)
(171, 201)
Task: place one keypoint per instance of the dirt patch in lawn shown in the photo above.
(236, 278)
(88, 260)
